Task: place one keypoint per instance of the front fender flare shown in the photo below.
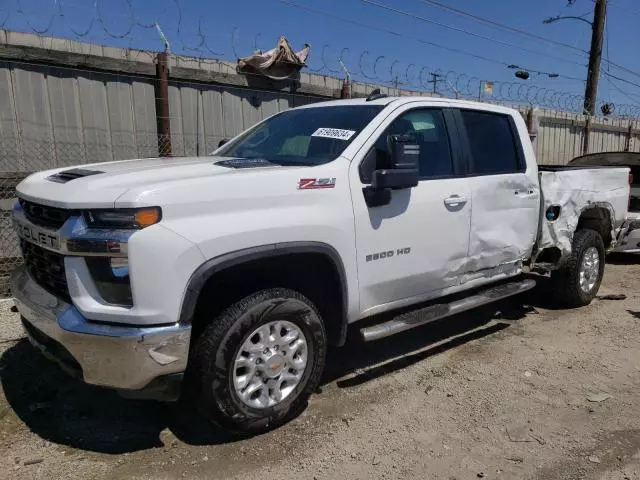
(215, 265)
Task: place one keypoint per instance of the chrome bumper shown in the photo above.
(115, 356)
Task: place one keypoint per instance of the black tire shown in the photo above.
(566, 280)
(214, 353)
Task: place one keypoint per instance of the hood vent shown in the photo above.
(245, 163)
(68, 175)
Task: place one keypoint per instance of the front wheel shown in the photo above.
(577, 283)
(255, 366)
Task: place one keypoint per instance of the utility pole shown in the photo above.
(595, 55)
(435, 78)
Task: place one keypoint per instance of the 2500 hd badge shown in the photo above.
(388, 254)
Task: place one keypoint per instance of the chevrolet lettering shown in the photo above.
(34, 234)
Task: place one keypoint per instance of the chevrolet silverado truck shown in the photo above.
(226, 277)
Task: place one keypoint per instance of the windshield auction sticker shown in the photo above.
(336, 133)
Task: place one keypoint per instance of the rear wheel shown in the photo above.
(577, 283)
(255, 366)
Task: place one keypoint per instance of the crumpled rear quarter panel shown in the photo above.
(577, 190)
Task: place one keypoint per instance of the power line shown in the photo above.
(627, 9)
(524, 32)
(466, 32)
(609, 62)
(625, 69)
(502, 26)
(624, 80)
(626, 94)
(391, 32)
(401, 35)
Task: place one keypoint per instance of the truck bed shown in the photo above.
(575, 189)
(564, 168)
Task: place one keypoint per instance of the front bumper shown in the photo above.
(122, 357)
(629, 238)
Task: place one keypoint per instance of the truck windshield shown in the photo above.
(308, 136)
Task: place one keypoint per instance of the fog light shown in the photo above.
(111, 276)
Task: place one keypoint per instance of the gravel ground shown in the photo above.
(529, 392)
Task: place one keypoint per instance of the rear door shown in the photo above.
(505, 194)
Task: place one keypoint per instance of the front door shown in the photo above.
(416, 244)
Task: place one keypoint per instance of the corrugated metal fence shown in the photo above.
(561, 136)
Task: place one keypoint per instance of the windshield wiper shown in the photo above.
(241, 162)
(293, 163)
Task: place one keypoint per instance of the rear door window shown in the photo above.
(492, 142)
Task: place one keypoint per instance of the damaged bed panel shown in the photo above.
(597, 195)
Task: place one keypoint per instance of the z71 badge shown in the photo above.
(313, 183)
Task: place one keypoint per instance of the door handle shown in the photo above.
(455, 200)
(527, 193)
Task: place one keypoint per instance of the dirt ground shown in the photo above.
(529, 392)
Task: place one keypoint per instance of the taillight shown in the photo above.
(630, 184)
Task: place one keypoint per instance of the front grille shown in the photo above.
(45, 216)
(46, 268)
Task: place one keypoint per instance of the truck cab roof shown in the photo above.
(399, 101)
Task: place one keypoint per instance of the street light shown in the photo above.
(595, 56)
(568, 17)
(595, 51)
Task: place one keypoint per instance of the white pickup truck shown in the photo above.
(237, 270)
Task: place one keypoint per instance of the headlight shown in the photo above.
(111, 276)
(123, 218)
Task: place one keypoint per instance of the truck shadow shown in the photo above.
(362, 362)
(66, 411)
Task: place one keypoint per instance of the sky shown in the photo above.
(383, 41)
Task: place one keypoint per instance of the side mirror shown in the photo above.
(405, 151)
(403, 172)
(222, 142)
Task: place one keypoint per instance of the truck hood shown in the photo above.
(100, 185)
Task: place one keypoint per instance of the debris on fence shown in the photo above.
(279, 63)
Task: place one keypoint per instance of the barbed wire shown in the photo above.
(189, 35)
(396, 73)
